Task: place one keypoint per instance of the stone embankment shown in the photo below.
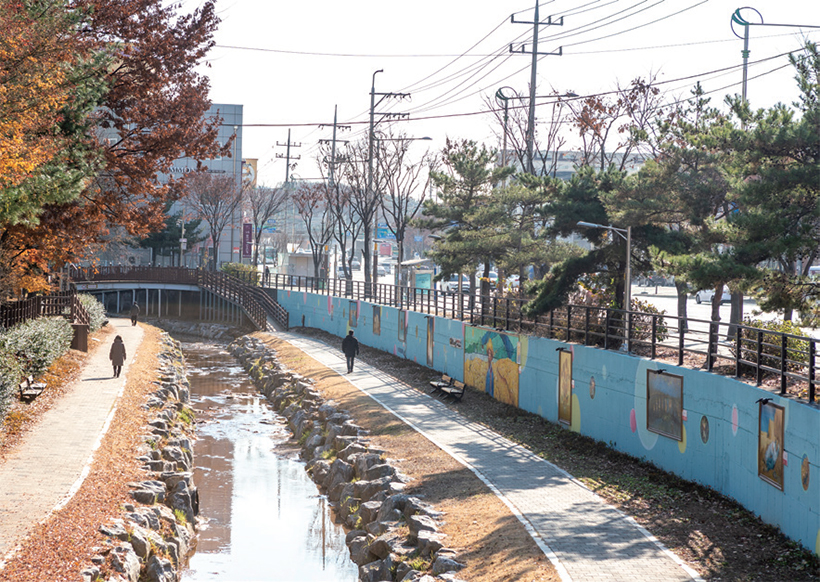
(392, 536)
(152, 539)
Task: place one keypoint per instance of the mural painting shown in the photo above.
(431, 323)
(491, 363)
(664, 404)
(377, 320)
(770, 444)
(564, 386)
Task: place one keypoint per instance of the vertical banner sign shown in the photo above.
(249, 172)
(247, 240)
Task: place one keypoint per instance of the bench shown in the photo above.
(29, 389)
(445, 382)
(456, 391)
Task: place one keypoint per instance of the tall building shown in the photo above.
(230, 244)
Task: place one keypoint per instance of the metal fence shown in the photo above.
(64, 304)
(782, 362)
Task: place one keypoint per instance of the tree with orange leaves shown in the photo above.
(102, 168)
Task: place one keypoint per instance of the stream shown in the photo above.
(262, 518)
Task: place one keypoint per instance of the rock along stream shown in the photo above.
(262, 516)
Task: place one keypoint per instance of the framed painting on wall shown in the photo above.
(564, 386)
(377, 320)
(431, 322)
(402, 326)
(770, 444)
(664, 404)
(353, 314)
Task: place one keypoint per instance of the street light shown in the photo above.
(626, 234)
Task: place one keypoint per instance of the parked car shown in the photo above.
(356, 265)
(380, 271)
(513, 281)
(451, 284)
(705, 296)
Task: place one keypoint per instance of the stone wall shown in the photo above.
(389, 531)
(152, 539)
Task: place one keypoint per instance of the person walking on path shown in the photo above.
(117, 355)
(350, 346)
(135, 311)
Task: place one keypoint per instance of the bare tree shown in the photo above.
(512, 119)
(405, 184)
(264, 204)
(612, 129)
(364, 195)
(311, 202)
(214, 198)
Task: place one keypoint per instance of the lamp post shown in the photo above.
(626, 234)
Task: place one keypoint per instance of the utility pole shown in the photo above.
(371, 139)
(333, 160)
(536, 23)
(287, 159)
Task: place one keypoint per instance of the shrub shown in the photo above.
(247, 273)
(95, 309)
(10, 374)
(599, 300)
(37, 343)
(797, 350)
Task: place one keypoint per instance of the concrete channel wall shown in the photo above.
(705, 427)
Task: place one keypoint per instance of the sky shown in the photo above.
(289, 63)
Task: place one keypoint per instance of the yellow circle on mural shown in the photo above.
(575, 419)
(682, 443)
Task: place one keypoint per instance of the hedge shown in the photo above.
(95, 310)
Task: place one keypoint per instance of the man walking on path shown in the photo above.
(135, 311)
(117, 355)
(350, 346)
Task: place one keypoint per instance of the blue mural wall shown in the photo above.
(721, 424)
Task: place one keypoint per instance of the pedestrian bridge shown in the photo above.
(183, 292)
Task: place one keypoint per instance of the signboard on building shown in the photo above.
(247, 240)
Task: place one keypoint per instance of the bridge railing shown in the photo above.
(256, 303)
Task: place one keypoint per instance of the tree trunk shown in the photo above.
(683, 296)
(716, 302)
(735, 315)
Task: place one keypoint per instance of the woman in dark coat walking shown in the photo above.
(117, 355)
(350, 346)
(135, 311)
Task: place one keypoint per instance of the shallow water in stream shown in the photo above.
(262, 517)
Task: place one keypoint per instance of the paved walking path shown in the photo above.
(47, 468)
(585, 538)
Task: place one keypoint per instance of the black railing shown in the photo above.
(63, 304)
(782, 362)
(255, 302)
